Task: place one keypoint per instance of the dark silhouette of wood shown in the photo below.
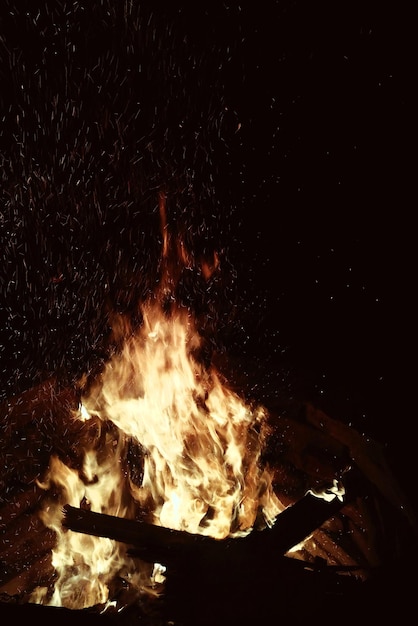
(156, 543)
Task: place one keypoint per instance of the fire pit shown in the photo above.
(321, 551)
(156, 489)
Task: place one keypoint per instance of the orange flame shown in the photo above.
(202, 442)
(201, 448)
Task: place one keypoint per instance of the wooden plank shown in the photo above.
(155, 543)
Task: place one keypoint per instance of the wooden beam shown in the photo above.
(155, 543)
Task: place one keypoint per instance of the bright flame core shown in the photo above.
(199, 448)
(202, 442)
(198, 443)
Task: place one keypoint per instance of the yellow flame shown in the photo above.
(202, 442)
(200, 446)
(85, 564)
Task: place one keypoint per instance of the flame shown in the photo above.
(203, 443)
(86, 565)
(336, 490)
(198, 443)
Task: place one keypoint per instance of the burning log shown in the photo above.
(39, 572)
(25, 542)
(26, 526)
(200, 569)
(369, 457)
(303, 453)
(32, 569)
(30, 433)
(156, 543)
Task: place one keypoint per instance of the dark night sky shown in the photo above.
(281, 132)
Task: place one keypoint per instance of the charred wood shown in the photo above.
(18, 501)
(39, 572)
(24, 557)
(370, 458)
(155, 543)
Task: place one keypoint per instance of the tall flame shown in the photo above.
(199, 446)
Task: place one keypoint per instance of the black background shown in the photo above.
(282, 134)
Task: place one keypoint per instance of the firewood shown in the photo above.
(18, 533)
(336, 555)
(298, 521)
(155, 543)
(18, 501)
(33, 424)
(300, 454)
(147, 538)
(317, 454)
(39, 573)
(367, 531)
(31, 549)
(38, 404)
(356, 530)
(369, 457)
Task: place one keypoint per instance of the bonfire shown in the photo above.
(157, 474)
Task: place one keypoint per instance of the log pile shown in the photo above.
(32, 426)
(351, 540)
